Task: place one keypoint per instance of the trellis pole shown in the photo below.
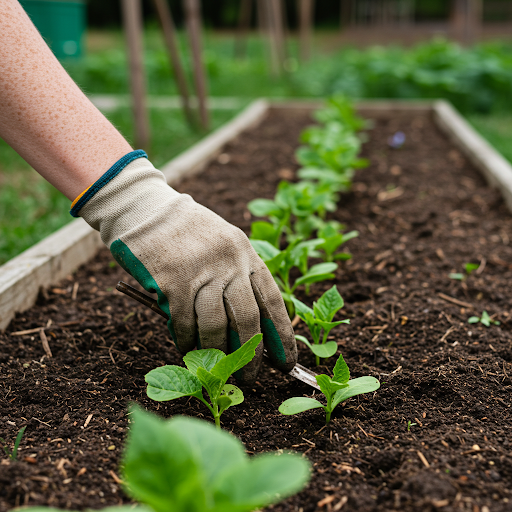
(169, 32)
(193, 21)
(306, 8)
(132, 21)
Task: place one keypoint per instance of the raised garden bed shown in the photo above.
(435, 436)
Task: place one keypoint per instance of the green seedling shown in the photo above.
(468, 267)
(187, 465)
(340, 108)
(336, 390)
(409, 425)
(319, 322)
(484, 319)
(333, 240)
(296, 254)
(13, 454)
(209, 368)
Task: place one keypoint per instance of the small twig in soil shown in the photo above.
(481, 268)
(295, 321)
(75, 290)
(89, 418)
(455, 301)
(28, 331)
(445, 335)
(44, 341)
(43, 422)
(423, 459)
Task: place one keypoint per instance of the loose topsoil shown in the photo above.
(435, 436)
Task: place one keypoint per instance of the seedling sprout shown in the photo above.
(13, 454)
(336, 390)
(485, 319)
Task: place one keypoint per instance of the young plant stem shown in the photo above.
(328, 409)
(214, 410)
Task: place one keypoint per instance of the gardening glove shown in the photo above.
(217, 291)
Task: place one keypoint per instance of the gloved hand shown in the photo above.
(208, 278)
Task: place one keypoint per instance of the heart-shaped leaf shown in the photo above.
(170, 382)
(325, 350)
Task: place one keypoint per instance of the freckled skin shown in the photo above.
(44, 115)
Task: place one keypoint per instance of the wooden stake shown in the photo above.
(193, 20)
(169, 31)
(244, 24)
(132, 20)
(306, 26)
(466, 20)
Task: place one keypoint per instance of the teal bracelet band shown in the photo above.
(108, 176)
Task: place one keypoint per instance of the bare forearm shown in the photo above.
(44, 115)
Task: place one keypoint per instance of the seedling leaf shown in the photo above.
(211, 383)
(299, 404)
(356, 387)
(170, 382)
(473, 320)
(325, 350)
(327, 386)
(238, 359)
(328, 304)
(263, 207)
(341, 373)
(232, 393)
(205, 358)
(304, 340)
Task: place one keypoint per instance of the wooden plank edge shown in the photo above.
(58, 255)
(495, 168)
(44, 264)
(194, 160)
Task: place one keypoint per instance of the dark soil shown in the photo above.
(422, 212)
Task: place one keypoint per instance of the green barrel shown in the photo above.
(61, 23)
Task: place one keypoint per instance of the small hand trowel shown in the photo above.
(298, 371)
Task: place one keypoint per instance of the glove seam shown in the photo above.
(88, 193)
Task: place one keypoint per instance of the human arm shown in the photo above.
(216, 290)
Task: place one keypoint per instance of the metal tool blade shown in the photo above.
(298, 371)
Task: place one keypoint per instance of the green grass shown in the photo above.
(31, 208)
(497, 129)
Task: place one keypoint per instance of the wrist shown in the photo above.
(128, 195)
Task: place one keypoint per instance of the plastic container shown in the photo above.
(61, 23)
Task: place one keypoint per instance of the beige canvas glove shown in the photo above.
(217, 291)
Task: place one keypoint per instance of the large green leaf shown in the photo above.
(304, 312)
(329, 325)
(262, 480)
(328, 304)
(238, 359)
(356, 387)
(205, 358)
(341, 373)
(212, 383)
(299, 404)
(325, 350)
(170, 382)
(159, 466)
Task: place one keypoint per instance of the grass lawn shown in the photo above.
(31, 208)
(497, 129)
